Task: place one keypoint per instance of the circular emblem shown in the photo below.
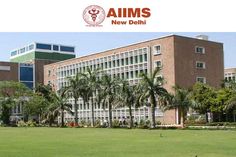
(94, 15)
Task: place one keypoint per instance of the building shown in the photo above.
(19, 72)
(184, 61)
(230, 74)
(40, 54)
(27, 63)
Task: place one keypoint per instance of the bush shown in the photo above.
(72, 125)
(144, 124)
(21, 124)
(31, 123)
(115, 123)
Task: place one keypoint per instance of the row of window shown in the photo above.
(22, 50)
(157, 50)
(55, 47)
(230, 78)
(111, 64)
(124, 75)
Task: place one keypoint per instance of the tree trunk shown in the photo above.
(182, 118)
(153, 116)
(76, 111)
(110, 114)
(206, 114)
(92, 108)
(131, 117)
(62, 119)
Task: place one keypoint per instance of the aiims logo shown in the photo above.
(94, 15)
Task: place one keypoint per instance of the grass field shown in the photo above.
(82, 142)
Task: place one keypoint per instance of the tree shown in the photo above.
(231, 105)
(10, 91)
(126, 97)
(75, 86)
(153, 90)
(33, 105)
(107, 93)
(60, 105)
(223, 96)
(182, 101)
(205, 97)
(90, 87)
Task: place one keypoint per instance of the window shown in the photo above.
(67, 48)
(141, 58)
(126, 61)
(55, 47)
(136, 73)
(131, 60)
(158, 64)
(49, 73)
(118, 63)
(43, 46)
(200, 65)
(157, 49)
(13, 53)
(200, 50)
(145, 57)
(132, 74)
(106, 65)
(201, 79)
(26, 73)
(114, 63)
(136, 59)
(122, 75)
(110, 64)
(31, 47)
(127, 75)
(22, 50)
(122, 61)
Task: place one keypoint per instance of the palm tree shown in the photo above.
(127, 97)
(153, 90)
(107, 93)
(74, 88)
(61, 103)
(90, 87)
(181, 101)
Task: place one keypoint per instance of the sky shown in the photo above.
(87, 43)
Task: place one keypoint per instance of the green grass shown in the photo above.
(82, 142)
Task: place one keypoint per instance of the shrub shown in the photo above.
(144, 124)
(115, 123)
(21, 124)
(31, 123)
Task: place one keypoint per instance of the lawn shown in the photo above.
(82, 142)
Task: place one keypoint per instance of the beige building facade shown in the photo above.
(184, 61)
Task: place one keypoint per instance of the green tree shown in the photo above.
(10, 92)
(182, 101)
(107, 93)
(223, 96)
(90, 86)
(126, 97)
(205, 97)
(75, 87)
(152, 87)
(60, 105)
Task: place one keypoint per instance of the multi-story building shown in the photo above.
(27, 65)
(230, 74)
(19, 72)
(184, 61)
(40, 54)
